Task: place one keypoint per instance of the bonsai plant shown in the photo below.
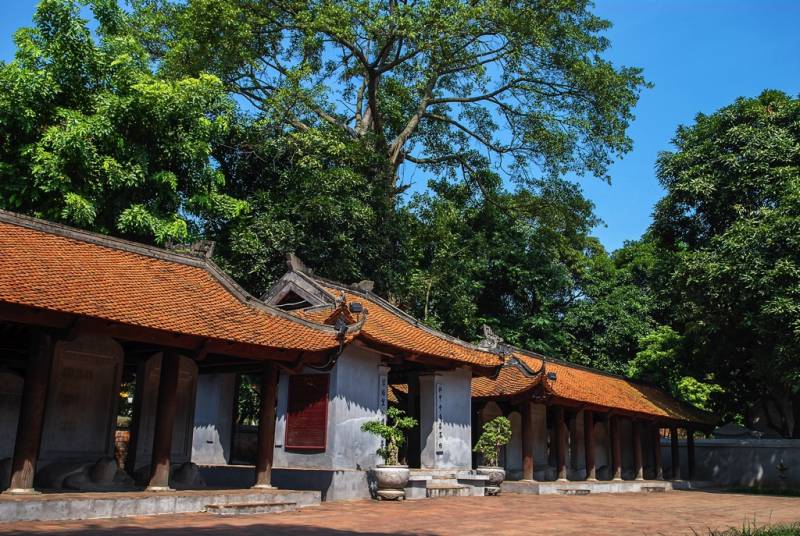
(392, 477)
(496, 433)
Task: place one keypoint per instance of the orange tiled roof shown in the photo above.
(57, 268)
(593, 388)
(390, 326)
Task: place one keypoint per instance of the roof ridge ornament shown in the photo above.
(492, 342)
(203, 249)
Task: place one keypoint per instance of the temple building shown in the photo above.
(391, 348)
(574, 423)
(121, 371)
(80, 311)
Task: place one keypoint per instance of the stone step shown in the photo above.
(574, 491)
(442, 482)
(237, 509)
(446, 490)
(436, 473)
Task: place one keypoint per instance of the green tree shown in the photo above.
(392, 432)
(730, 227)
(309, 193)
(441, 84)
(496, 433)
(611, 309)
(90, 137)
(494, 257)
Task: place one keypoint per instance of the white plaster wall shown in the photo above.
(446, 441)
(740, 462)
(213, 418)
(353, 398)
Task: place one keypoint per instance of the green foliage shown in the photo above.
(496, 433)
(309, 194)
(248, 400)
(494, 257)
(91, 137)
(609, 313)
(729, 227)
(438, 84)
(392, 433)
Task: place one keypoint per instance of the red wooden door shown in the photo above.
(307, 419)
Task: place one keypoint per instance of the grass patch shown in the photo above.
(774, 530)
(789, 492)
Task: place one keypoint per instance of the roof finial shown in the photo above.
(296, 265)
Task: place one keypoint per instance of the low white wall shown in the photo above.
(354, 398)
(445, 420)
(740, 462)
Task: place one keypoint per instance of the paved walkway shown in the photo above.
(677, 512)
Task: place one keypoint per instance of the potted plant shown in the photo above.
(392, 477)
(496, 433)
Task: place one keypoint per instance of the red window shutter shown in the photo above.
(307, 419)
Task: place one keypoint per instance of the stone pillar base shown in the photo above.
(21, 491)
(263, 486)
(491, 490)
(158, 489)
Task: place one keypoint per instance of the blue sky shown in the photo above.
(700, 54)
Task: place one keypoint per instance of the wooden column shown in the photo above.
(638, 468)
(616, 452)
(690, 451)
(31, 416)
(561, 443)
(676, 455)
(165, 420)
(527, 441)
(266, 426)
(657, 451)
(588, 444)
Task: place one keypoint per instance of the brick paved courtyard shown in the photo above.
(678, 512)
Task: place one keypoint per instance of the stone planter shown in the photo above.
(392, 481)
(496, 476)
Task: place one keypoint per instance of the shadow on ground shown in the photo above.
(220, 527)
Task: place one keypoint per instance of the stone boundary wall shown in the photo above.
(760, 463)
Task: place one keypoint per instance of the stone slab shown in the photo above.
(78, 506)
(80, 417)
(532, 487)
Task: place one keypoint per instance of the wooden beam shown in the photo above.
(616, 451)
(690, 451)
(31, 418)
(165, 419)
(657, 451)
(675, 452)
(561, 443)
(638, 466)
(527, 440)
(588, 439)
(266, 426)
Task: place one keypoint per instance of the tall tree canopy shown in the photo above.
(449, 85)
(729, 227)
(91, 137)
